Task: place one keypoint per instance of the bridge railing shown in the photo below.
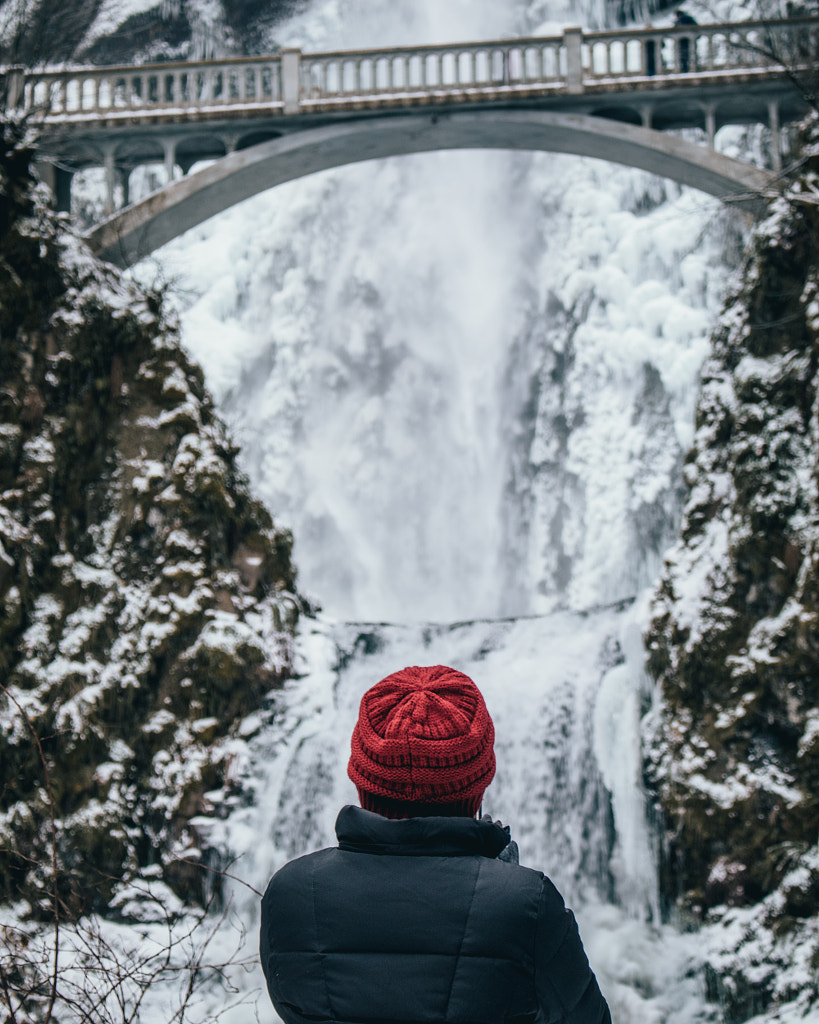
(94, 92)
(570, 61)
(699, 49)
(292, 82)
(416, 70)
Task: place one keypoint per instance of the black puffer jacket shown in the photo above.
(417, 921)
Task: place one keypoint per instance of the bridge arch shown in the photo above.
(138, 230)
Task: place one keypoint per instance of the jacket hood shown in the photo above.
(363, 831)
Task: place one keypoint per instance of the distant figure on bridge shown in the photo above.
(682, 18)
(650, 51)
(651, 57)
(422, 912)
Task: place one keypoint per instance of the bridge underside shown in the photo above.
(139, 230)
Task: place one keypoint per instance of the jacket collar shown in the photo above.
(363, 831)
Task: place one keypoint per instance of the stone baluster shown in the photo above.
(708, 56)
(313, 75)
(739, 57)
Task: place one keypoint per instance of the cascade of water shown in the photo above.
(466, 381)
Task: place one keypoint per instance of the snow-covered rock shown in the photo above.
(734, 641)
(143, 590)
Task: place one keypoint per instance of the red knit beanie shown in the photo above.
(423, 744)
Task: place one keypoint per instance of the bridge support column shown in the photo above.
(58, 180)
(62, 189)
(169, 149)
(573, 42)
(125, 183)
(776, 137)
(710, 124)
(110, 179)
(291, 86)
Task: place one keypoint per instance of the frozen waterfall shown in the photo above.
(466, 382)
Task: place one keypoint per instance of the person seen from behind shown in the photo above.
(682, 18)
(422, 913)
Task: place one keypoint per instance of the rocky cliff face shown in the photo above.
(733, 755)
(146, 599)
(99, 32)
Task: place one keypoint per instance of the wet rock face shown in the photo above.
(733, 741)
(146, 599)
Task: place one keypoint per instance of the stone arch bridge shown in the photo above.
(266, 120)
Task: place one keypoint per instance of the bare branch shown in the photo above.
(54, 862)
(217, 871)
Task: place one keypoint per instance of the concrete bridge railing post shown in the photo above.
(15, 87)
(291, 79)
(573, 42)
